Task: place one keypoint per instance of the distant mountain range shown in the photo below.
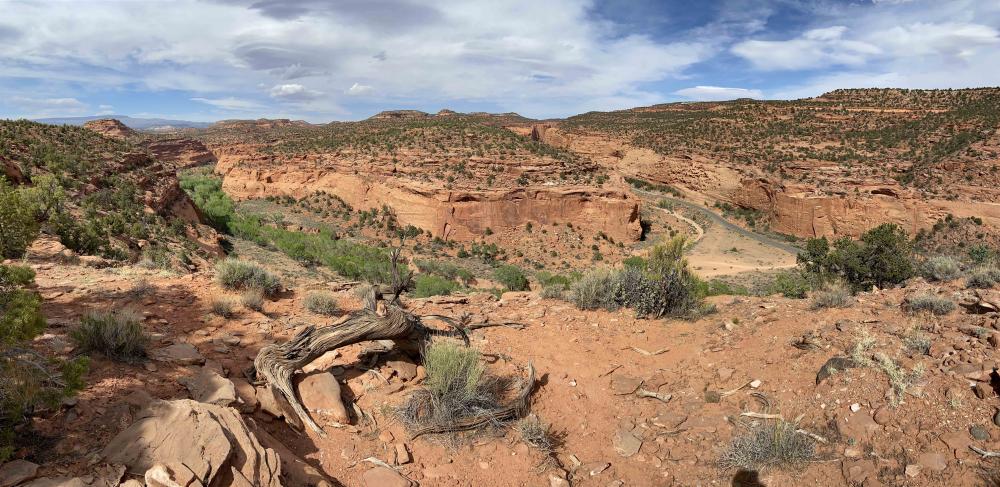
(130, 122)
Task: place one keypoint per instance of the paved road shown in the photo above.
(764, 239)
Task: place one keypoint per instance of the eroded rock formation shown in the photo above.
(109, 127)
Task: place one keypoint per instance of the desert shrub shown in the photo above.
(426, 285)
(983, 278)
(882, 257)
(27, 379)
(512, 277)
(635, 261)
(595, 290)
(537, 435)
(321, 304)
(446, 270)
(242, 275)
(206, 192)
(141, 287)
(18, 227)
(981, 254)
(928, 302)
(223, 306)
(552, 292)
(253, 300)
(116, 334)
(457, 387)
(833, 295)
(718, 287)
(941, 268)
(773, 444)
(672, 292)
(790, 284)
(548, 279)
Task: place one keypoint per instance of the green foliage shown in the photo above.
(206, 192)
(321, 304)
(116, 334)
(556, 281)
(833, 295)
(594, 290)
(18, 227)
(453, 371)
(241, 275)
(980, 254)
(983, 278)
(81, 236)
(635, 261)
(445, 269)
(717, 287)
(790, 284)
(426, 285)
(882, 257)
(20, 310)
(512, 277)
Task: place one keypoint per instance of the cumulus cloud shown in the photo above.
(718, 93)
(358, 89)
(813, 49)
(105, 110)
(42, 107)
(294, 92)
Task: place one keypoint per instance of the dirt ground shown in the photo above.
(586, 364)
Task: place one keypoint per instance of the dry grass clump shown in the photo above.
(224, 307)
(836, 295)
(773, 444)
(929, 303)
(140, 288)
(321, 304)
(983, 278)
(253, 300)
(116, 334)
(899, 378)
(537, 435)
(457, 387)
(941, 268)
(241, 275)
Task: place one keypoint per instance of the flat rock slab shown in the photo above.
(623, 385)
(385, 477)
(208, 386)
(17, 471)
(626, 443)
(180, 354)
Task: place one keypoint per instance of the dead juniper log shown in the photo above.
(381, 319)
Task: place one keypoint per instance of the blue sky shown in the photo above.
(321, 60)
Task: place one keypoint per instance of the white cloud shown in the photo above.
(229, 103)
(815, 48)
(44, 107)
(105, 110)
(358, 89)
(718, 93)
(294, 92)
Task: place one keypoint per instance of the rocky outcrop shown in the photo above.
(12, 172)
(181, 152)
(192, 443)
(803, 212)
(399, 114)
(109, 127)
(452, 214)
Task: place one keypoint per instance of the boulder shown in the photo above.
(180, 354)
(212, 442)
(17, 471)
(320, 393)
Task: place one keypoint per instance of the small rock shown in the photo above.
(979, 432)
(17, 471)
(386, 436)
(402, 454)
(982, 390)
(320, 392)
(932, 461)
(557, 482)
(404, 369)
(912, 471)
(179, 353)
(755, 384)
(833, 365)
(385, 477)
(725, 373)
(855, 407)
(626, 443)
(883, 416)
(595, 468)
(622, 384)
(996, 417)
(851, 452)
(246, 395)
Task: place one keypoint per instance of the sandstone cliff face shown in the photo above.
(456, 214)
(181, 152)
(801, 212)
(109, 128)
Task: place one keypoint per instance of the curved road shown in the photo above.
(722, 221)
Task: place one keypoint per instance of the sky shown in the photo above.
(319, 60)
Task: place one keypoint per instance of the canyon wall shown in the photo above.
(804, 213)
(458, 214)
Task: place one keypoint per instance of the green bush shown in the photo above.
(446, 270)
(941, 268)
(206, 191)
(242, 275)
(882, 257)
(983, 278)
(116, 334)
(18, 227)
(512, 277)
(790, 284)
(549, 280)
(595, 290)
(426, 285)
(929, 303)
(20, 310)
(321, 304)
